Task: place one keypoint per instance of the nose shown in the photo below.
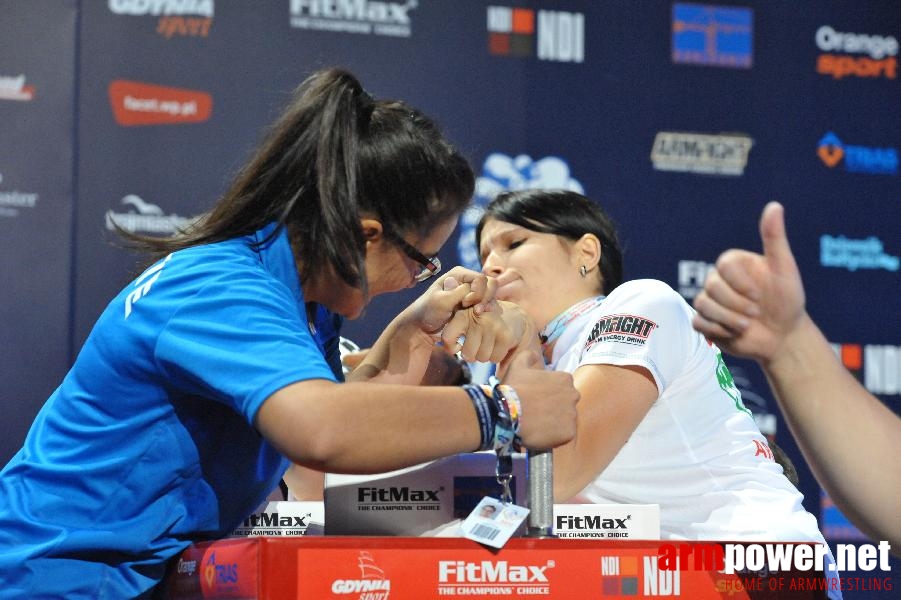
(491, 266)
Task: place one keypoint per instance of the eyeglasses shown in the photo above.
(430, 266)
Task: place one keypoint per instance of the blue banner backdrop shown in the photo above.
(681, 119)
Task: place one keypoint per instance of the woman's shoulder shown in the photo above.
(644, 288)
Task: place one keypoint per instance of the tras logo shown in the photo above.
(184, 18)
(135, 103)
(354, 16)
(502, 173)
(512, 30)
(15, 88)
(857, 159)
(221, 574)
(714, 36)
(841, 54)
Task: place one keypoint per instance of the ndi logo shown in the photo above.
(857, 159)
(561, 35)
(501, 173)
(877, 367)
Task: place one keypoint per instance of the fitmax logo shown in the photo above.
(396, 494)
(590, 522)
(274, 520)
(458, 571)
(354, 16)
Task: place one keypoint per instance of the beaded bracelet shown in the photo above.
(509, 409)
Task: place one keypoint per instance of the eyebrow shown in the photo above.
(498, 235)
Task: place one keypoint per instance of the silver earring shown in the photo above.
(583, 271)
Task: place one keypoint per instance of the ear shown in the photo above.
(587, 251)
(372, 229)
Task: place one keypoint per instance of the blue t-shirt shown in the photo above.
(148, 443)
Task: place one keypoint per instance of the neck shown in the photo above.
(555, 328)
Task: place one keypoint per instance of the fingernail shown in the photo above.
(753, 311)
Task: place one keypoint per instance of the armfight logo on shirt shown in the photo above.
(626, 329)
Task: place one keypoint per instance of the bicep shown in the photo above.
(614, 400)
(292, 419)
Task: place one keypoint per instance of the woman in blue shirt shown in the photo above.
(210, 372)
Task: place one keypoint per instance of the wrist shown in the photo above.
(791, 354)
(498, 410)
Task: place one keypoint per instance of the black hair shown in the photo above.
(336, 155)
(564, 213)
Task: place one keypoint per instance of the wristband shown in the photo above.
(509, 409)
(486, 412)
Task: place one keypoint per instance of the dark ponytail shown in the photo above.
(333, 156)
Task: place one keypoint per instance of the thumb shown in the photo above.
(776, 249)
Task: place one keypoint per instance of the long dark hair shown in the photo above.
(333, 156)
(564, 213)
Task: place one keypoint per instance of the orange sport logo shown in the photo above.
(135, 103)
(842, 54)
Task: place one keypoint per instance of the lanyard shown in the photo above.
(555, 328)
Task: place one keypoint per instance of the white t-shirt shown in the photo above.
(697, 453)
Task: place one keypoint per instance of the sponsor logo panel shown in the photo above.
(182, 18)
(144, 217)
(13, 201)
(707, 154)
(691, 276)
(841, 252)
(714, 36)
(136, 103)
(876, 366)
(857, 159)
(14, 87)
(501, 173)
(625, 329)
(366, 17)
(846, 54)
(546, 34)
(226, 572)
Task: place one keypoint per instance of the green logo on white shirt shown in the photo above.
(724, 377)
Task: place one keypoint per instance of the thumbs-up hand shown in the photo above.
(751, 302)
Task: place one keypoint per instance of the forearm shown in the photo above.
(364, 428)
(614, 401)
(400, 355)
(847, 435)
